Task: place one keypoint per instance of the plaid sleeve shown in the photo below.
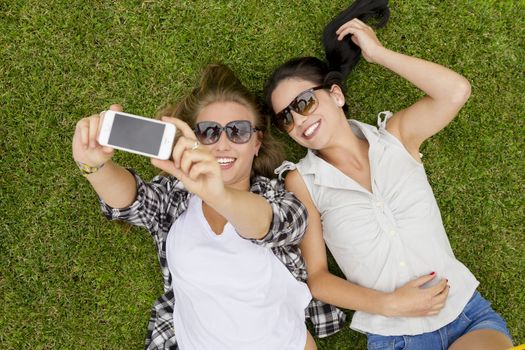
(289, 219)
(326, 319)
(157, 205)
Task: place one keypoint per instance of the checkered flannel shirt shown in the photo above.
(160, 202)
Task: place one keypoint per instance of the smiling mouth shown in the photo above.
(226, 162)
(308, 133)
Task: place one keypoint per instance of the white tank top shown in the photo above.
(385, 238)
(229, 292)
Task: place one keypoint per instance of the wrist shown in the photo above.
(221, 197)
(387, 305)
(88, 169)
(378, 54)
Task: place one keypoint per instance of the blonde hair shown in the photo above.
(218, 83)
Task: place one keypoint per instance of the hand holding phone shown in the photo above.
(193, 164)
(85, 147)
(135, 134)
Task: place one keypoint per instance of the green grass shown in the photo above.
(71, 280)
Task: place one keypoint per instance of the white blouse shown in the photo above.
(385, 238)
(229, 292)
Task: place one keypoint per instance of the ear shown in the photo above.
(258, 142)
(338, 95)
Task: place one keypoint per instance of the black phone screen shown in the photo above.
(136, 134)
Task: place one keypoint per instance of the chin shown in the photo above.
(235, 180)
(307, 144)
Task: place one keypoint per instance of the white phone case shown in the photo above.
(166, 139)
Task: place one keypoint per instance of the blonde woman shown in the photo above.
(223, 230)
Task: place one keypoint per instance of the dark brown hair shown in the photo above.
(341, 56)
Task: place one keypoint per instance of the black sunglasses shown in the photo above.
(237, 131)
(305, 103)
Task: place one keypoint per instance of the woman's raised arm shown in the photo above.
(114, 184)
(446, 91)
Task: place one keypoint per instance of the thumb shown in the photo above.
(182, 126)
(107, 150)
(424, 279)
(116, 107)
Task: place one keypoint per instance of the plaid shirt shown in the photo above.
(160, 202)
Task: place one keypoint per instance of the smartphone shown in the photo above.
(135, 134)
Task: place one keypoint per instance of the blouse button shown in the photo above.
(392, 232)
(402, 264)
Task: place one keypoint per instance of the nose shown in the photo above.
(224, 143)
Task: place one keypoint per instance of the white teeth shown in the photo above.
(311, 129)
(225, 160)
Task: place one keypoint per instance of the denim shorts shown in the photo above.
(478, 314)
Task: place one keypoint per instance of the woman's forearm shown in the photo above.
(438, 82)
(249, 213)
(114, 184)
(337, 291)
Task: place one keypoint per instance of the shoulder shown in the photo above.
(165, 193)
(274, 191)
(294, 180)
(265, 186)
(295, 183)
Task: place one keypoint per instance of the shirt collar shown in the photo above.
(325, 174)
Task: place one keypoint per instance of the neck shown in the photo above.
(241, 185)
(214, 218)
(345, 147)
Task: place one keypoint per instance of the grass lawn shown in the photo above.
(71, 280)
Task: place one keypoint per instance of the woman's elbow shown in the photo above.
(316, 287)
(461, 93)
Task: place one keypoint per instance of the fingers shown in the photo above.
(93, 131)
(439, 301)
(108, 150)
(439, 287)
(88, 130)
(424, 279)
(85, 146)
(441, 297)
(354, 23)
(191, 157)
(180, 147)
(181, 126)
(345, 32)
(351, 27)
(183, 144)
(185, 157)
(440, 294)
(361, 23)
(193, 165)
(100, 121)
(83, 130)
(432, 298)
(199, 169)
(116, 108)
